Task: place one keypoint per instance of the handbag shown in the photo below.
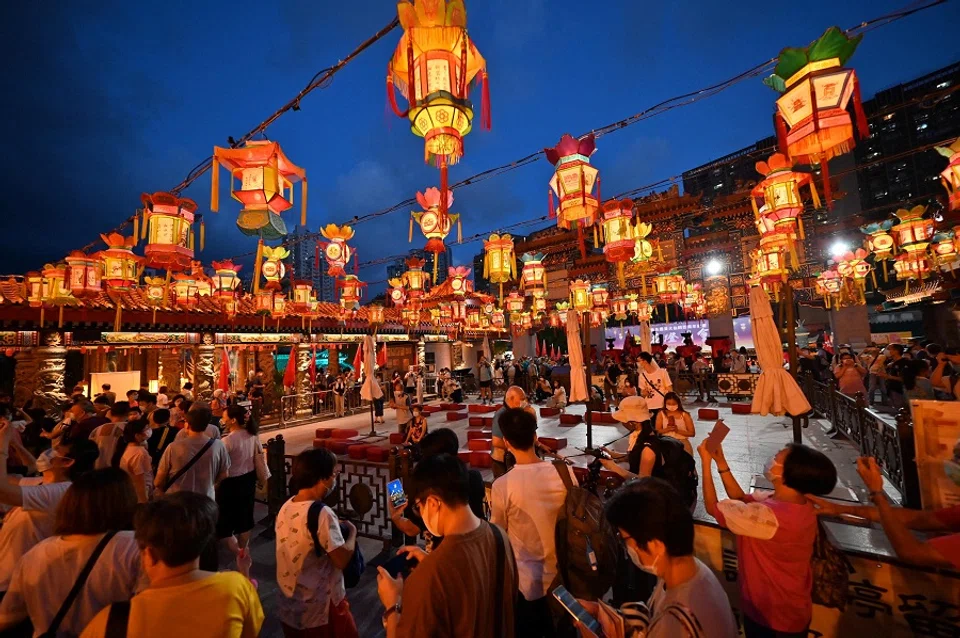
(354, 569)
(830, 572)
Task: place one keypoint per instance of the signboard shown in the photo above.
(672, 333)
(936, 434)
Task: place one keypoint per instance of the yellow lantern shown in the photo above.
(120, 265)
(499, 260)
(573, 182)
(945, 249)
(599, 295)
(225, 280)
(473, 318)
(84, 274)
(303, 296)
(779, 196)
(459, 284)
(633, 303)
(533, 277)
(538, 304)
(580, 295)
(770, 267)
(414, 278)
(914, 232)
(350, 291)
(34, 286)
(950, 177)
(618, 234)
(168, 221)
(375, 314)
(514, 303)
(186, 292)
(272, 267)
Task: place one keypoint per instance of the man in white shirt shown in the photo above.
(653, 382)
(107, 435)
(526, 502)
(211, 431)
(211, 466)
(34, 506)
(313, 600)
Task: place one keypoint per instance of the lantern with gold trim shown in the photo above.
(950, 177)
(854, 268)
(336, 252)
(410, 314)
(914, 232)
(778, 194)
(598, 317)
(397, 294)
(204, 283)
(513, 304)
(473, 318)
(225, 285)
(168, 229)
(497, 319)
(432, 67)
(414, 278)
(644, 310)
(812, 122)
(303, 296)
(499, 260)
(669, 287)
(770, 266)
(120, 269)
(538, 304)
(526, 321)
(34, 290)
(272, 267)
(84, 274)
(55, 291)
(599, 296)
(155, 292)
(573, 182)
(945, 250)
(435, 222)
(618, 234)
(694, 302)
(375, 315)
(580, 295)
(562, 307)
(880, 242)
(457, 276)
(185, 291)
(554, 319)
(266, 178)
(351, 289)
(533, 276)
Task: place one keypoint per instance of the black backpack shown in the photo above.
(587, 545)
(678, 468)
(353, 570)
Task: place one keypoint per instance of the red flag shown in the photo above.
(223, 381)
(290, 372)
(382, 357)
(358, 360)
(313, 369)
(556, 354)
(539, 348)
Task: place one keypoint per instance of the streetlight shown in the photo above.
(714, 267)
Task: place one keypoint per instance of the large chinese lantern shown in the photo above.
(55, 291)
(533, 276)
(225, 284)
(950, 177)
(854, 267)
(457, 276)
(272, 267)
(84, 274)
(573, 182)
(120, 269)
(945, 250)
(414, 278)
(513, 304)
(880, 242)
(913, 235)
(432, 68)
(351, 289)
(778, 194)
(336, 251)
(619, 242)
(580, 295)
(499, 260)
(168, 221)
(643, 251)
(829, 285)
(266, 178)
(435, 222)
(812, 122)
(396, 293)
(669, 288)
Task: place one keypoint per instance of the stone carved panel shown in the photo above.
(267, 365)
(170, 371)
(205, 371)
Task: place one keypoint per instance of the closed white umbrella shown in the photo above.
(578, 376)
(486, 348)
(777, 392)
(645, 337)
(370, 389)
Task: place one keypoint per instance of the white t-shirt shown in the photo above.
(526, 502)
(308, 583)
(106, 437)
(701, 597)
(162, 400)
(47, 572)
(212, 431)
(242, 448)
(23, 527)
(136, 461)
(656, 383)
(209, 469)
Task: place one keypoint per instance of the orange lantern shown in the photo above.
(410, 316)
(84, 274)
(473, 318)
(580, 295)
(351, 289)
(168, 221)
(879, 242)
(618, 234)
(533, 277)
(120, 265)
(573, 182)
(434, 221)
(185, 290)
(644, 310)
(415, 278)
(225, 279)
(497, 319)
(779, 196)
(499, 260)
(914, 232)
(619, 308)
(396, 293)
(538, 304)
(336, 251)
(526, 321)
(945, 249)
(514, 304)
(950, 177)
(829, 285)
(816, 90)
(562, 307)
(432, 68)
(854, 268)
(266, 179)
(54, 289)
(155, 289)
(375, 315)
(34, 290)
(770, 267)
(459, 284)
(555, 319)
(597, 317)
(599, 295)
(303, 296)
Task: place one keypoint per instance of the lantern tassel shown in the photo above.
(501, 293)
(885, 271)
(815, 195)
(459, 231)
(486, 119)
(410, 238)
(256, 266)
(203, 234)
(116, 318)
(596, 244)
(136, 228)
(392, 96)
(143, 225)
(873, 276)
(781, 127)
(166, 288)
(643, 284)
(623, 283)
(553, 210)
(583, 245)
(800, 227)
(303, 204)
(316, 256)
(356, 263)
(863, 129)
(486, 267)
(215, 185)
(154, 315)
(60, 318)
(190, 241)
(827, 190)
(753, 203)
(263, 323)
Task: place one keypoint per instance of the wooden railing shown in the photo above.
(890, 443)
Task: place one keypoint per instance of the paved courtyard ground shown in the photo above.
(752, 440)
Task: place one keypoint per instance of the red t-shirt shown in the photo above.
(949, 545)
(774, 549)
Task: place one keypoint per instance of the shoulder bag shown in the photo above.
(183, 470)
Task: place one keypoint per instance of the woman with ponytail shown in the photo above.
(235, 494)
(131, 456)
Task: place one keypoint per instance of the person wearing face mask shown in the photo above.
(775, 536)
(465, 587)
(653, 383)
(657, 531)
(107, 436)
(132, 457)
(312, 599)
(31, 518)
(849, 374)
(675, 422)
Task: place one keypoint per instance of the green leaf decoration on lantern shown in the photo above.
(834, 43)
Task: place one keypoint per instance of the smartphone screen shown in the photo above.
(399, 564)
(576, 609)
(716, 436)
(395, 493)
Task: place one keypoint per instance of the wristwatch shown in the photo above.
(390, 610)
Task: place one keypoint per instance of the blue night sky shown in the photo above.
(106, 100)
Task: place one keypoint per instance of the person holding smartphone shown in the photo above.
(849, 375)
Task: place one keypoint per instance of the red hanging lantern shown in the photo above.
(459, 284)
(599, 295)
(396, 293)
(336, 252)
(950, 177)
(225, 285)
(435, 222)
(84, 274)
(414, 278)
(497, 319)
(168, 222)
(533, 276)
(266, 179)
(778, 194)
(514, 303)
(573, 183)
(351, 289)
(618, 234)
